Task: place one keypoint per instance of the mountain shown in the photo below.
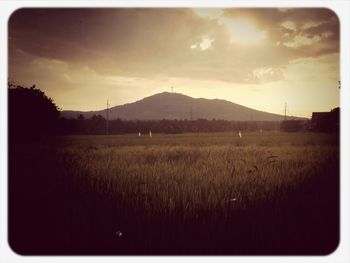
(178, 106)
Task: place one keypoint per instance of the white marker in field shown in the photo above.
(150, 134)
(139, 134)
(240, 134)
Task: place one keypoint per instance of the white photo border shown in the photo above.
(340, 7)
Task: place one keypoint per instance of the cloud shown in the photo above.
(204, 44)
(296, 27)
(268, 74)
(289, 25)
(302, 40)
(230, 45)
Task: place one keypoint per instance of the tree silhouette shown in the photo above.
(31, 114)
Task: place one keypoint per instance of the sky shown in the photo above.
(261, 58)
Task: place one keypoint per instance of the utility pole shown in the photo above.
(172, 90)
(191, 114)
(285, 111)
(107, 116)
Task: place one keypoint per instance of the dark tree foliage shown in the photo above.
(31, 114)
(97, 125)
(293, 125)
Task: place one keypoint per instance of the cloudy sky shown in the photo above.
(260, 58)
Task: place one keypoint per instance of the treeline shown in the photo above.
(98, 125)
(32, 115)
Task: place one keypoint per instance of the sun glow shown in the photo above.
(243, 31)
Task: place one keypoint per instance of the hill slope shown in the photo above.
(178, 106)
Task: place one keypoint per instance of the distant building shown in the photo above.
(326, 121)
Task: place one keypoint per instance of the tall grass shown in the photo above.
(271, 193)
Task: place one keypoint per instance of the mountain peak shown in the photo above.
(167, 93)
(167, 96)
(168, 105)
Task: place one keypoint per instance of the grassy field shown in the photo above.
(266, 193)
